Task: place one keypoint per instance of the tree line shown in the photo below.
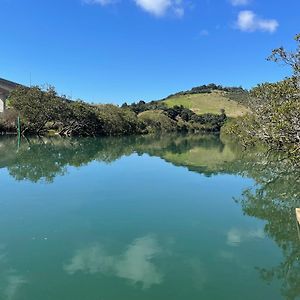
(212, 87)
(43, 111)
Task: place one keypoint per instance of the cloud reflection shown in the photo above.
(134, 264)
(13, 284)
(236, 236)
(10, 280)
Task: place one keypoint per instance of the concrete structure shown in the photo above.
(5, 88)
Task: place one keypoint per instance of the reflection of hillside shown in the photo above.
(203, 154)
(273, 200)
(46, 158)
(203, 160)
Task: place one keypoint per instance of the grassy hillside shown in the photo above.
(208, 103)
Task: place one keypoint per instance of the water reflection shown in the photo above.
(236, 236)
(10, 280)
(135, 264)
(46, 158)
(273, 200)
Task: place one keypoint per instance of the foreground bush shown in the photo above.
(275, 117)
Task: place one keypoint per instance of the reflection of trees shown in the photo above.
(46, 158)
(274, 200)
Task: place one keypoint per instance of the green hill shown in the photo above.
(211, 102)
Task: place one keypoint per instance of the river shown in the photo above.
(147, 217)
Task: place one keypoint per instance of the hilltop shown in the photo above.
(211, 99)
(205, 100)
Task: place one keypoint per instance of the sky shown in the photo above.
(112, 51)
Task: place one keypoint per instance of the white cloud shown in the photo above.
(248, 21)
(157, 8)
(101, 2)
(239, 2)
(204, 32)
(179, 11)
(160, 7)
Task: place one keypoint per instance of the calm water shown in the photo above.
(170, 217)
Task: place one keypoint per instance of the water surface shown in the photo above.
(156, 217)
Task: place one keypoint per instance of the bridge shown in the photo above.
(6, 87)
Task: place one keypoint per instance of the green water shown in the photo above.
(169, 217)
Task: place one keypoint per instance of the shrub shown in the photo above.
(156, 120)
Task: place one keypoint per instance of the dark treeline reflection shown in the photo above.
(273, 199)
(45, 158)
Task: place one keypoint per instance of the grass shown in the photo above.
(156, 119)
(211, 159)
(208, 103)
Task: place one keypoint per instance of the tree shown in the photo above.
(36, 107)
(291, 59)
(275, 117)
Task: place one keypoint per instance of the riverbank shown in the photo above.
(43, 111)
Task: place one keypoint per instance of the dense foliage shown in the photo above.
(275, 117)
(43, 111)
(177, 118)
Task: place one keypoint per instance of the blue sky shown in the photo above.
(127, 50)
